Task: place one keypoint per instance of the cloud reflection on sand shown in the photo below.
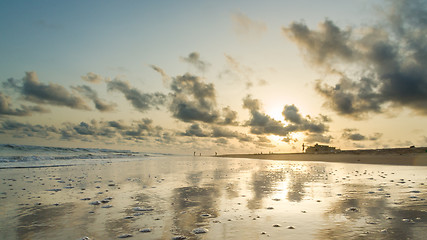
(232, 198)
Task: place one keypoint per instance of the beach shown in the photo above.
(186, 197)
(391, 158)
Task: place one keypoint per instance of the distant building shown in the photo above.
(321, 149)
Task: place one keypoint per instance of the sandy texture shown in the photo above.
(214, 198)
(412, 159)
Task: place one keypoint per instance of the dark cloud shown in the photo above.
(100, 104)
(196, 131)
(300, 123)
(220, 132)
(54, 94)
(193, 100)
(194, 59)
(260, 123)
(229, 117)
(141, 101)
(387, 60)
(7, 109)
(117, 124)
(264, 142)
(93, 78)
(20, 130)
(100, 131)
(322, 47)
(51, 93)
(353, 135)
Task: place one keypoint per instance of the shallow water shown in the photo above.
(230, 198)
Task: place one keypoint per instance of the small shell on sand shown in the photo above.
(200, 230)
(291, 227)
(85, 238)
(145, 230)
(85, 199)
(107, 206)
(276, 225)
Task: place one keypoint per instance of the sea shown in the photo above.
(31, 156)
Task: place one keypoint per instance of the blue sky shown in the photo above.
(232, 70)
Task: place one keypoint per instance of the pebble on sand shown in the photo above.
(126, 235)
(200, 230)
(145, 230)
(139, 209)
(179, 238)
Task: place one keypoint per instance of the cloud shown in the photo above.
(7, 109)
(100, 104)
(93, 78)
(229, 117)
(241, 72)
(261, 124)
(193, 100)
(353, 135)
(93, 131)
(350, 134)
(194, 59)
(220, 132)
(379, 66)
(246, 27)
(318, 138)
(53, 94)
(300, 123)
(141, 101)
(20, 130)
(195, 130)
(165, 77)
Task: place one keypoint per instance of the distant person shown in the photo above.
(216, 154)
(194, 154)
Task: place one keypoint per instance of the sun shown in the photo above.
(275, 112)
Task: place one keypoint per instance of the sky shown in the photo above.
(214, 76)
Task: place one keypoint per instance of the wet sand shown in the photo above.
(413, 159)
(214, 198)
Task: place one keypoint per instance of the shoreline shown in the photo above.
(411, 159)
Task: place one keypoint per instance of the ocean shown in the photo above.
(30, 156)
